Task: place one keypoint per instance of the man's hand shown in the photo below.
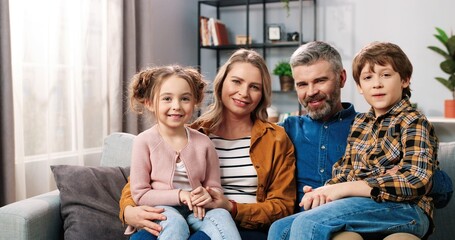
(143, 217)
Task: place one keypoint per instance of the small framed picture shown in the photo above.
(242, 40)
(273, 32)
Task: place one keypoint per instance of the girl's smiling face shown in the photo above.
(175, 103)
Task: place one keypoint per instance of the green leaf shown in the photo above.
(445, 82)
(452, 82)
(441, 39)
(451, 46)
(442, 34)
(440, 51)
(448, 66)
(282, 68)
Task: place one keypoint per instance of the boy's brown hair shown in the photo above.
(383, 53)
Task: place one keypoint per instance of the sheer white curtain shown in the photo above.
(66, 58)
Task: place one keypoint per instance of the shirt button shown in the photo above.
(321, 170)
(326, 126)
(322, 147)
(257, 167)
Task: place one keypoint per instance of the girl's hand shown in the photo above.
(185, 198)
(200, 196)
(199, 212)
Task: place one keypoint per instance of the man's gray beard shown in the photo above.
(320, 113)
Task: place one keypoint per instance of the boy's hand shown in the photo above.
(200, 196)
(185, 198)
(313, 198)
(393, 170)
(325, 194)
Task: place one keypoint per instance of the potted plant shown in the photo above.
(447, 66)
(283, 71)
(286, 6)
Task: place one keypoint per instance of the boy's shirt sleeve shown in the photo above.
(342, 168)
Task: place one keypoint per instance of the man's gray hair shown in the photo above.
(309, 53)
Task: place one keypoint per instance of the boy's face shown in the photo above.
(382, 87)
(318, 89)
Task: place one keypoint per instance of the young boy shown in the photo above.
(380, 186)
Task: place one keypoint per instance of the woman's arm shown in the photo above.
(139, 216)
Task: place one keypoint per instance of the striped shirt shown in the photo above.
(238, 175)
(402, 137)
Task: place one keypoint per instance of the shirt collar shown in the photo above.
(403, 105)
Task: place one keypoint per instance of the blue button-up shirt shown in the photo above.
(318, 145)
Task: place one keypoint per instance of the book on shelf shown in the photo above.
(205, 37)
(213, 32)
(221, 35)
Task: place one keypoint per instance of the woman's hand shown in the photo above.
(143, 217)
(200, 196)
(218, 200)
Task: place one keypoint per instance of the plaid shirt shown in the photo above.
(402, 137)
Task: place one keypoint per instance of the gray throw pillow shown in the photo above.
(90, 201)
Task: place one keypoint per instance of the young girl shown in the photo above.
(170, 160)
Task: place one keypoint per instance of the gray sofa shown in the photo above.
(40, 218)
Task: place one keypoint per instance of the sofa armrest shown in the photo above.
(33, 218)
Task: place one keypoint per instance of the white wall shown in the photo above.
(350, 24)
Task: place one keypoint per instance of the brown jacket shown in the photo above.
(272, 154)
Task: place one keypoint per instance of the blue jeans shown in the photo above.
(217, 224)
(356, 214)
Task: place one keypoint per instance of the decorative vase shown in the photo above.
(286, 83)
(449, 108)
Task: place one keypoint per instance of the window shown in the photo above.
(59, 59)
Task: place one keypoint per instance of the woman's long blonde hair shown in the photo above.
(214, 115)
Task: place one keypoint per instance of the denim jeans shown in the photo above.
(217, 224)
(357, 214)
(144, 235)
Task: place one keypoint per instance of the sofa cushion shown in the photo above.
(117, 150)
(443, 218)
(89, 200)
